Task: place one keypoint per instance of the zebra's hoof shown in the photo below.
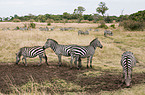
(87, 66)
(91, 66)
(59, 65)
(47, 64)
(78, 68)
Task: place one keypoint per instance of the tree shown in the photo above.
(79, 11)
(102, 8)
(66, 15)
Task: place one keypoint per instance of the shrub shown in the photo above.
(16, 20)
(102, 22)
(32, 25)
(48, 23)
(132, 25)
(113, 26)
(31, 20)
(17, 28)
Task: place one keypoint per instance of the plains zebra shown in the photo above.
(58, 49)
(128, 61)
(83, 33)
(31, 52)
(85, 51)
(107, 32)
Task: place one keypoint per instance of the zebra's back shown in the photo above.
(63, 50)
(128, 60)
(82, 51)
(32, 51)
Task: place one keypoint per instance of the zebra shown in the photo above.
(96, 30)
(107, 32)
(82, 32)
(86, 32)
(31, 52)
(84, 51)
(60, 50)
(128, 61)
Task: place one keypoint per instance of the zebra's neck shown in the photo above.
(53, 46)
(20, 53)
(94, 46)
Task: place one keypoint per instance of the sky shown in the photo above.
(36, 7)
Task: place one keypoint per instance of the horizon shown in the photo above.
(56, 7)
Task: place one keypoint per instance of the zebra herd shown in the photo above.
(76, 52)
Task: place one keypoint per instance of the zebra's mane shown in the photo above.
(53, 40)
(93, 40)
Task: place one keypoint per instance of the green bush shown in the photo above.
(16, 20)
(113, 26)
(132, 25)
(102, 22)
(32, 25)
(48, 24)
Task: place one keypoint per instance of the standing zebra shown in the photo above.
(107, 32)
(31, 52)
(58, 49)
(128, 61)
(85, 51)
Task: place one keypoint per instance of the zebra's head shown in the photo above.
(96, 43)
(128, 76)
(49, 42)
(18, 55)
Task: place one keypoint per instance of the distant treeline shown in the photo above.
(71, 18)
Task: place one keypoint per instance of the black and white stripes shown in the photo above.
(85, 51)
(58, 49)
(128, 61)
(31, 52)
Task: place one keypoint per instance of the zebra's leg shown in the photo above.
(76, 60)
(91, 61)
(25, 61)
(79, 60)
(123, 81)
(45, 57)
(59, 58)
(87, 62)
(40, 57)
(71, 61)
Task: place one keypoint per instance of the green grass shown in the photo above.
(106, 59)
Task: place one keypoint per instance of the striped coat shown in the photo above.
(85, 52)
(31, 52)
(60, 50)
(128, 61)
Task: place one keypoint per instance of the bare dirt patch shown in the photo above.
(19, 75)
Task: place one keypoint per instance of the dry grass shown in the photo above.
(107, 58)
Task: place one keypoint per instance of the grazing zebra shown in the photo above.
(44, 29)
(58, 49)
(128, 61)
(96, 30)
(80, 32)
(85, 51)
(31, 52)
(83, 33)
(107, 32)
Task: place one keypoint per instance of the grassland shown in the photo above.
(106, 61)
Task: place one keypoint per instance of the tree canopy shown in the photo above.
(102, 8)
